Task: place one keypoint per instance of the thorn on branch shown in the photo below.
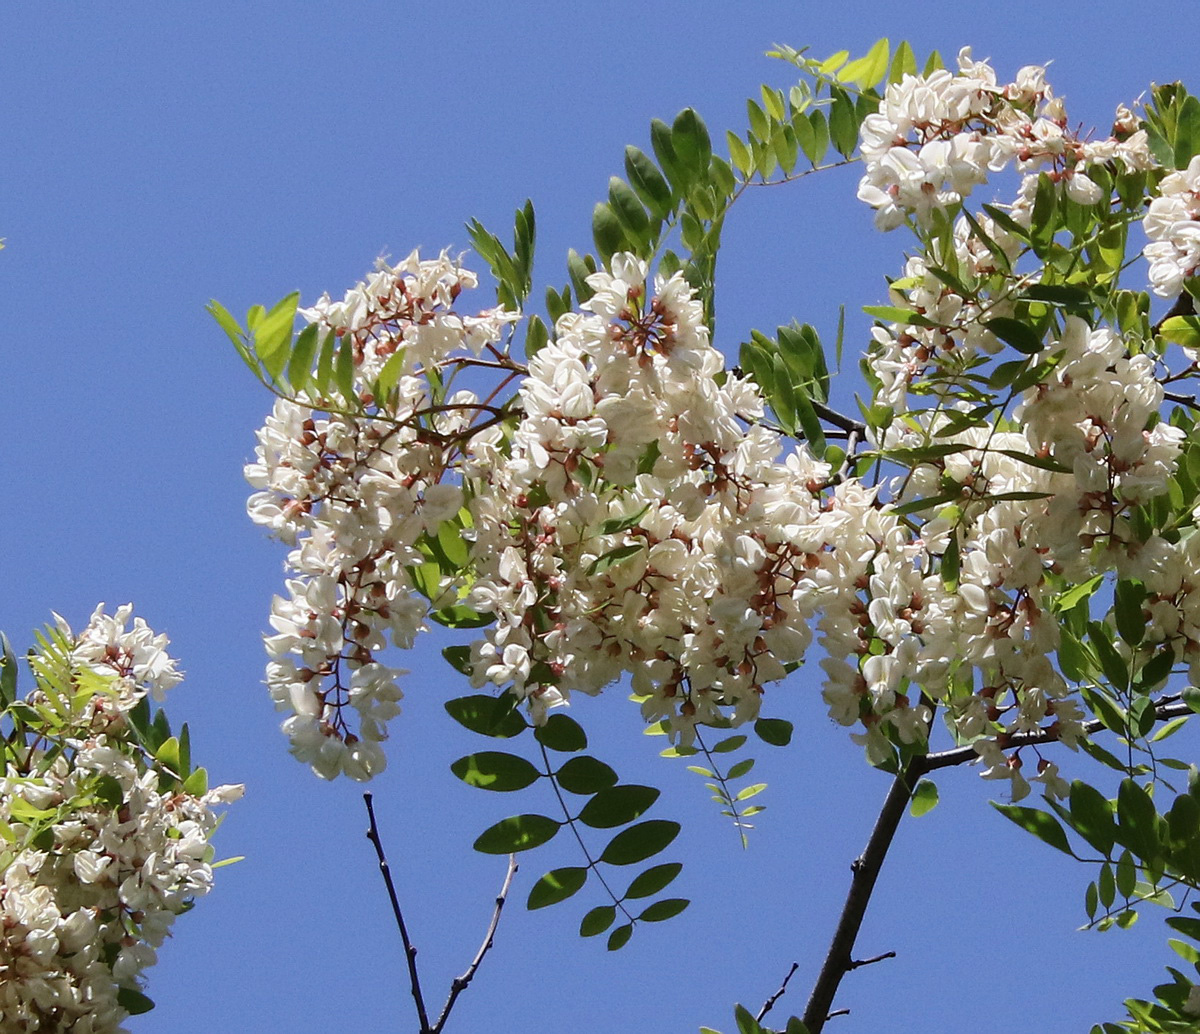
(838, 1012)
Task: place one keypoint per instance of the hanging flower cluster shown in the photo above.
(628, 508)
(103, 844)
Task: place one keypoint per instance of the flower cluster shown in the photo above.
(102, 846)
(630, 510)
(355, 491)
(1173, 226)
(935, 138)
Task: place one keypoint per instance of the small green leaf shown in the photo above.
(557, 885)
(746, 1023)
(133, 1002)
(653, 880)
(489, 716)
(495, 770)
(639, 842)
(561, 733)
(618, 805)
(1091, 816)
(728, 745)
(1044, 827)
(740, 769)
(597, 920)
(924, 798)
(196, 783)
(649, 183)
(693, 148)
(585, 775)
(775, 731)
(620, 937)
(516, 833)
(606, 231)
(664, 909)
(1016, 333)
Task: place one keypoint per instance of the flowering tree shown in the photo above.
(994, 551)
(991, 553)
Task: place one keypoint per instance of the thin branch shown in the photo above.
(867, 962)
(459, 984)
(846, 423)
(410, 952)
(770, 1002)
(838, 961)
(1165, 709)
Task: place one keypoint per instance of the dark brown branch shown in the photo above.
(838, 961)
(459, 984)
(1166, 708)
(770, 1002)
(846, 423)
(410, 952)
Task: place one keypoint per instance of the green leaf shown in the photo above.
(870, 70)
(620, 937)
(1045, 827)
(561, 733)
(639, 842)
(746, 1023)
(168, 754)
(585, 775)
(557, 885)
(904, 62)
(1071, 597)
(775, 731)
(489, 716)
(300, 363)
(740, 769)
(614, 557)
(924, 798)
(495, 770)
(343, 369)
(516, 833)
(606, 231)
(1137, 821)
(950, 563)
(1112, 663)
(1091, 816)
(693, 148)
(664, 909)
(897, 314)
(273, 333)
(728, 745)
(616, 525)
(747, 792)
(618, 805)
(1016, 333)
(653, 880)
(1127, 609)
(597, 920)
(133, 1002)
(1182, 330)
(843, 125)
(649, 183)
(196, 783)
(108, 790)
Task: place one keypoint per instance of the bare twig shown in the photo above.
(410, 952)
(459, 984)
(878, 958)
(770, 1002)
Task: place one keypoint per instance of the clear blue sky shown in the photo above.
(157, 155)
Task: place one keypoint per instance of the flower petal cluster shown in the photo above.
(102, 851)
(1173, 226)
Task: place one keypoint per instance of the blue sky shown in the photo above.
(159, 155)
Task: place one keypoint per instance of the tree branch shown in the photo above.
(838, 960)
(459, 984)
(848, 424)
(410, 952)
(770, 1002)
(1165, 709)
